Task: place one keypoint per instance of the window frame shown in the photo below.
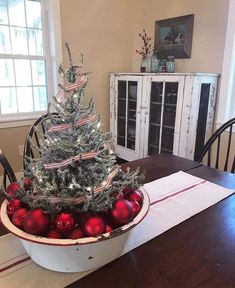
(51, 25)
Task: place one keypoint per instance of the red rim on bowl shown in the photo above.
(69, 242)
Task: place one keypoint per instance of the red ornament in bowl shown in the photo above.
(93, 226)
(136, 207)
(18, 217)
(76, 233)
(36, 222)
(135, 195)
(122, 211)
(13, 205)
(64, 222)
(12, 188)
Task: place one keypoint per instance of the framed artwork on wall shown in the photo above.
(173, 37)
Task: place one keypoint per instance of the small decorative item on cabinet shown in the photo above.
(154, 63)
(162, 66)
(170, 64)
(145, 52)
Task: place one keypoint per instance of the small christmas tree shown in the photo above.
(76, 171)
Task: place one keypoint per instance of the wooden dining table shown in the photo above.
(199, 252)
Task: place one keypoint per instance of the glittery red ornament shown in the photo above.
(76, 233)
(36, 222)
(94, 225)
(27, 184)
(13, 205)
(18, 217)
(12, 188)
(135, 195)
(64, 222)
(108, 228)
(122, 211)
(54, 234)
(136, 207)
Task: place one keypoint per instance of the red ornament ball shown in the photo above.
(64, 222)
(108, 228)
(12, 188)
(122, 211)
(94, 226)
(18, 217)
(27, 184)
(136, 207)
(36, 222)
(135, 195)
(13, 205)
(54, 234)
(76, 233)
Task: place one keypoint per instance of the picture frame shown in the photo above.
(173, 37)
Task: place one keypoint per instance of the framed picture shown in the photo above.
(173, 37)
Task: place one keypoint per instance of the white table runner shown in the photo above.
(174, 199)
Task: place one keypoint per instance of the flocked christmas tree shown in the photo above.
(76, 170)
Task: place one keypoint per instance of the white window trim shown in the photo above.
(226, 103)
(55, 50)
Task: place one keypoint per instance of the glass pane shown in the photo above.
(155, 113)
(169, 115)
(7, 73)
(167, 140)
(8, 100)
(38, 72)
(5, 40)
(25, 99)
(40, 98)
(16, 12)
(121, 107)
(121, 130)
(33, 14)
(132, 90)
(3, 12)
(19, 41)
(153, 144)
(156, 92)
(171, 91)
(122, 89)
(22, 72)
(35, 42)
(131, 127)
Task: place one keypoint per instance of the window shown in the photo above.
(25, 81)
(226, 107)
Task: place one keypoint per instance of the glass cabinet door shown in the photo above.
(126, 113)
(163, 102)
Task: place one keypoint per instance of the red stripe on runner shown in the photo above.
(15, 264)
(176, 193)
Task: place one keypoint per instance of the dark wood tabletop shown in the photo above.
(200, 252)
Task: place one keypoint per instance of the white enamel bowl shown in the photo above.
(67, 255)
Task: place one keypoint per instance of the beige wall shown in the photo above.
(106, 32)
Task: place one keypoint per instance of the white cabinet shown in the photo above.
(161, 113)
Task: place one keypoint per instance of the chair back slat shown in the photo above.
(228, 149)
(7, 170)
(217, 153)
(225, 161)
(209, 157)
(36, 133)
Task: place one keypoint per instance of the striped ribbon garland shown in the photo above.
(80, 122)
(81, 199)
(85, 156)
(78, 84)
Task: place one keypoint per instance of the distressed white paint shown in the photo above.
(188, 100)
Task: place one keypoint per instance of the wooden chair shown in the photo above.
(220, 148)
(35, 133)
(8, 172)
